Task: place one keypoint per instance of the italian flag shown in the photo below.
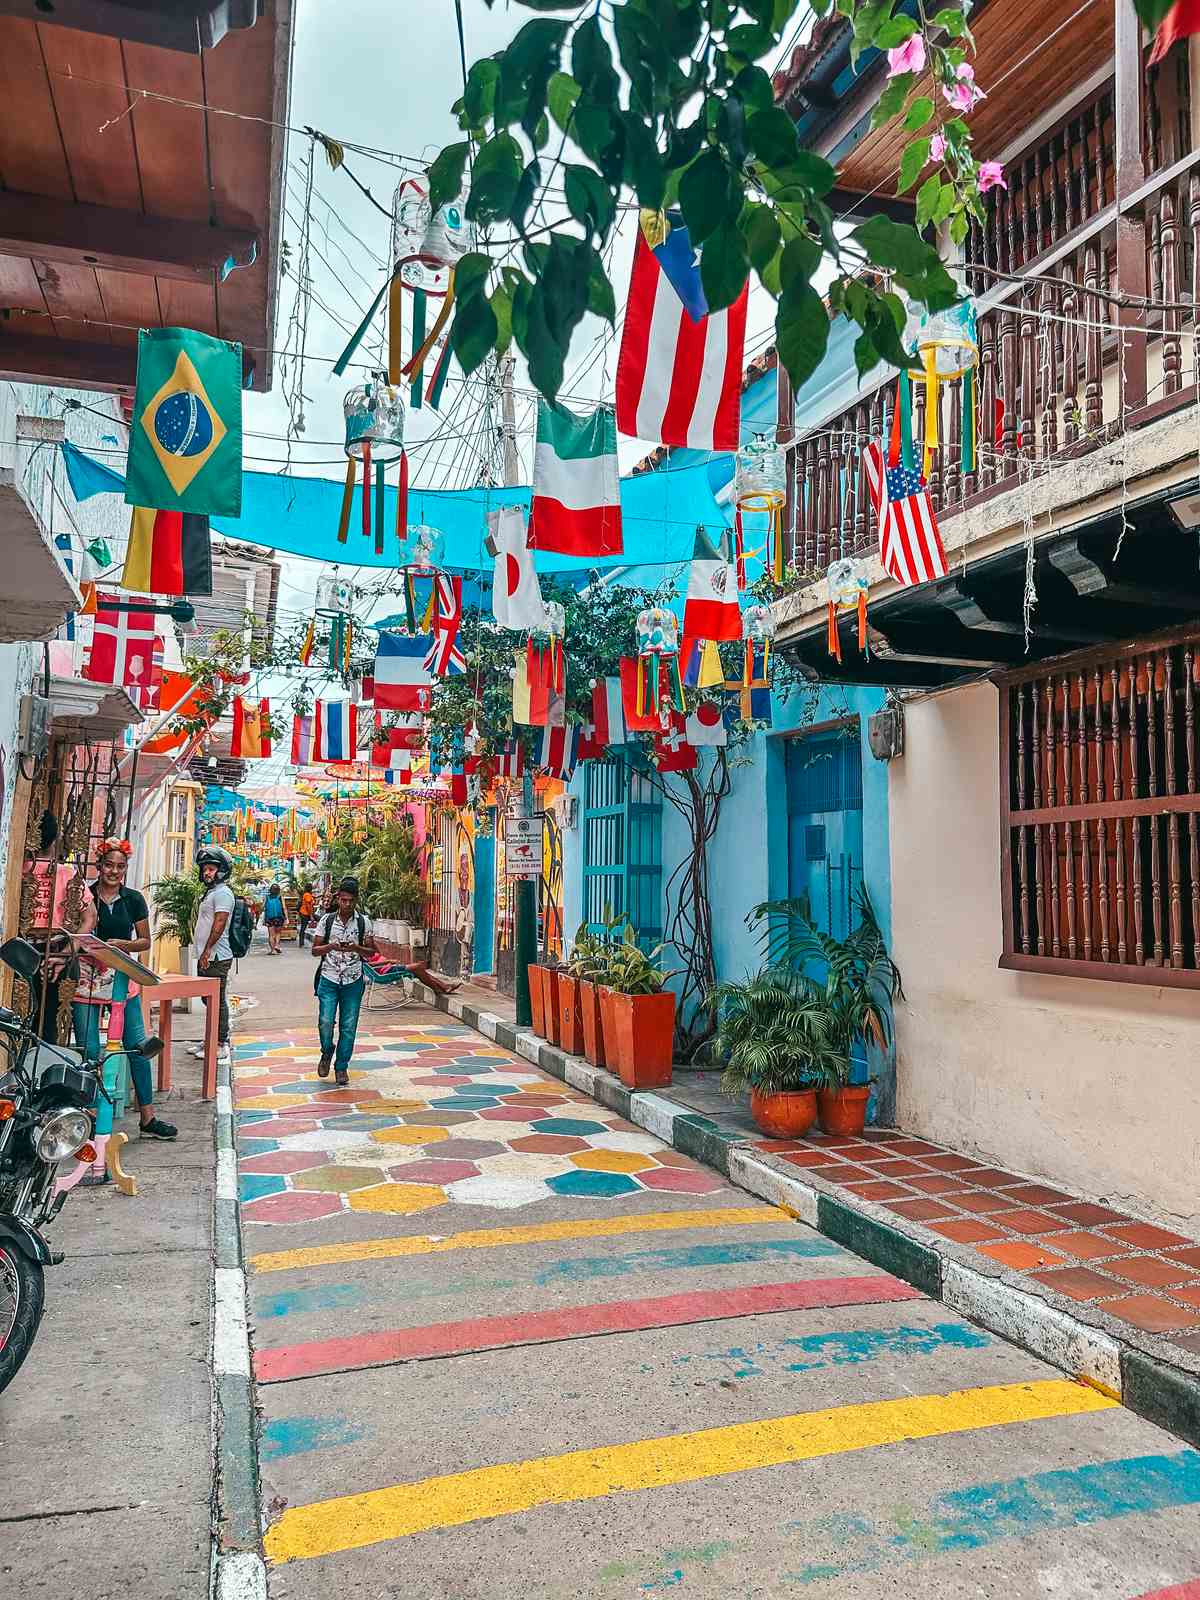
(576, 508)
(711, 610)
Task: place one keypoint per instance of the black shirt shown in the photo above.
(119, 920)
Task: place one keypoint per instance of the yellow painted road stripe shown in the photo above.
(323, 1255)
(354, 1520)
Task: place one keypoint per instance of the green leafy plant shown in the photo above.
(856, 977)
(776, 1033)
(588, 960)
(389, 869)
(176, 900)
(631, 970)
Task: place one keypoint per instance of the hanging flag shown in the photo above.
(458, 786)
(700, 664)
(367, 690)
(146, 695)
(1180, 22)
(589, 748)
(706, 725)
(679, 373)
(185, 441)
(302, 741)
(169, 552)
(576, 507)
(404, 735)
(672, 752)
(402, 682)
(122, 645)
(608, 715)
(335, 730)
(308, 644)
(509, 759)
(516, 593)
(649, 721)
(711, 610)
(177, 693)
(398, 775)
(753, 700)
(251, 729)
(910, 545)
(531, 695)
(559, 751)
(443, 655)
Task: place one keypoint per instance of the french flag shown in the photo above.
(335, 730)
(679, 374)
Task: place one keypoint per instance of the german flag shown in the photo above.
(170, 552)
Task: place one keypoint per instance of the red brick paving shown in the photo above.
(1086, 1246)
(966, 1231)
(1150, 1272)
(1019, 1253)
(1146, 1237)
(879, 1190)
(1191, 1255)
(1152, 1313)
(1080, 1283)
(921, 1210)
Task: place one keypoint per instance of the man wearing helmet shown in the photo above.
(214, 953)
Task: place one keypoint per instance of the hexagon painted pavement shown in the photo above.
(611, 1161)
(333, 1179)
(504, 1194)
(433, 1171)
(399, 1199)
(567, 1125)
(409, 1135)
(595, 1185)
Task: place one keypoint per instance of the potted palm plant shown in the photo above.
(778, 1040)
(858, 981)
(637, 1014)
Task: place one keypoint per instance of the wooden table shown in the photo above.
(163, 995)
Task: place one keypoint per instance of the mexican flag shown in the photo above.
(576, 509)
(711, 609)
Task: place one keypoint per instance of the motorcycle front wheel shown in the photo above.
(22, 1297)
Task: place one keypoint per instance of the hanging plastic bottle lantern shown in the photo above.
(448, 235)
(658, 650)
(411, 216)
(556, 618)
(758, 624)
(760, 485)
(423, 549)
(846, 587)
(657, 632)
(758, 630)
(374, 415)
(947, 347)
(335, 595)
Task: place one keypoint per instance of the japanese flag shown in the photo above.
(516, 594)
(706, 725)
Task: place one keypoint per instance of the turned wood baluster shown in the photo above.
(1194, 230)
(1010, 230)
(1068, 826)
(823, 464)
(1085, 163)
(1059, 166)
(861, 497)
(1135, 823)
(985, 443)
(1048, 371)
(953, 448)
(1024, 225)
(1101, 825)
(1070, 141)
(1117, 792)
(1150, 679)
(837, 537)
(1189, 741)
(1022, 837)
(1085, 869)
(1093, 371)
(1070, 376)
(1036, 219)
(1028, 374)
(1039, 887)
(1174, 864)
(1172, 321)
(1103, 110)
(1007, 464)
(1051, 790)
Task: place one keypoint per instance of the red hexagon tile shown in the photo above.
(291, 1207)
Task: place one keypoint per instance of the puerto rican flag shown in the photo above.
(402, 682)
(679, 374)
(335, 730)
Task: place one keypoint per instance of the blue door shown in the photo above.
(825, 827)
(622, 849)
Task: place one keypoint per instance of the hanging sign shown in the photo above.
(523, 847)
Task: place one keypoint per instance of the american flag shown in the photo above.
(910, 545)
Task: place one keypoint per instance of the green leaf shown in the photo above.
(495, 179)
(591, 63)
(601, 301)
(801, 258)
(866, 357)
(446, 174)
(891, 101)
(810, 174)
(769, 274)
(958, 228)
(927, 198)
(471, 275)
(919, 113)
(561, 94)
(895, 245)
(645, 171)
(760, 229)
(953, 21)
(531, 181)
(480, 93)
(501, 304)
(749, 40)
(772, 136)
(945, 204)
(801, 330)
(589, 199)
(704, 195)
(895, 32)
(753, 88)
(723, 267)
(473, 333)
(1151, 12)
(912, 163)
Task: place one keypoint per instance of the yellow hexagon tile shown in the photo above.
(410, 1135)
(611, 1161)
(270, 1102)
(397, 1198)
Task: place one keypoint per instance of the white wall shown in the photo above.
(1092, 1084)
(17, 663)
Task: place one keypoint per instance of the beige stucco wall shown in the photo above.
(1093, 1084)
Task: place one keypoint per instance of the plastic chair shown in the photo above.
(388, 975)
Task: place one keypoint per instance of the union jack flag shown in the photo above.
(443, 655)
(910, 545)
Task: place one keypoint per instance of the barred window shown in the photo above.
(1100, 814)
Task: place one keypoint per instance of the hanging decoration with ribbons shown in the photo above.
(659, 682)
(546, 664)
(847, 591)
(374, 414)
(421, 553)
(947, 347)
(758, 626)
(760, 485)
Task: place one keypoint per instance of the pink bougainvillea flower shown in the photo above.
(964, 94)
(937, 147)
(907, 57)
(991, 176)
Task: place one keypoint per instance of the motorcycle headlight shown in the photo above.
(62, 1134)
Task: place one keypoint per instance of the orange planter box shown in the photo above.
(550, 980)
(537, 998)
(593, 1036)
(570, 1015)
(644, 1029)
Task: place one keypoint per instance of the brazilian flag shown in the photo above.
(185, 446)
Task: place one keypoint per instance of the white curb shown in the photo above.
(226, 1175)
(231, 1337)
(748, 1172)
(240, 1576)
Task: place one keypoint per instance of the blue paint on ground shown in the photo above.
(569, 1126)
(593, 1185)
(257, 1147)
(843, 1348)
(245, 1118)
(254, 1185)
(293, 1436)
(329, 1297)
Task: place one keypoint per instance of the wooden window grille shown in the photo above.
(1100, 814)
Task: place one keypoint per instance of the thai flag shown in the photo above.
(560, 751)
(335, 730)
(679, 374)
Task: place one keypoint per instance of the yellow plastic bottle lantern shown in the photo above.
(657, 631)
(758, 630)
(846, 588)
(545, 660)
(374, 418)
(421, 554)
(948, 347)
(760, 485)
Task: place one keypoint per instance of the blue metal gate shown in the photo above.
(825, 826)
(622, 849)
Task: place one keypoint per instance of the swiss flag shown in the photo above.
(672, 752)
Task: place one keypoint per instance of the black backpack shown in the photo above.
(241, 927)
(324, 939)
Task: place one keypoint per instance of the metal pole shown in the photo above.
(525, 910)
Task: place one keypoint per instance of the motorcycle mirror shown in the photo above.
(23, 957)
(151, 1047)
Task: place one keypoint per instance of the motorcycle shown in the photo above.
(48, 1098)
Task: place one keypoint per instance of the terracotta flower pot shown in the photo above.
(645, 1030)
(550, 986)
(570, 1015)
(844, 1110)
(606, 1000)
(537, 998)
(784, 1116)
(589, 1014)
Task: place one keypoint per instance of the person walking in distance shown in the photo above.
(304, 914)
(214, 953)
(341, 940)
(275, 916)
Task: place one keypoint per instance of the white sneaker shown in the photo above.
(224, 1056)
(196, 1051)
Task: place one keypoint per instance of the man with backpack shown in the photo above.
(342, 939)
(224, 928)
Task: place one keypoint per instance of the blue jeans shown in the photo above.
(87, 1038)
(343, 1002)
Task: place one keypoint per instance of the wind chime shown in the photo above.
(374, 414)
(847, 591)
(334, 602)
(758, 628)
(420, 557)
(760, 485)
(947, 347)
(546, 662)
(658, 652)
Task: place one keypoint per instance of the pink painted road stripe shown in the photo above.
(280, 1362)
(1181, 1591)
